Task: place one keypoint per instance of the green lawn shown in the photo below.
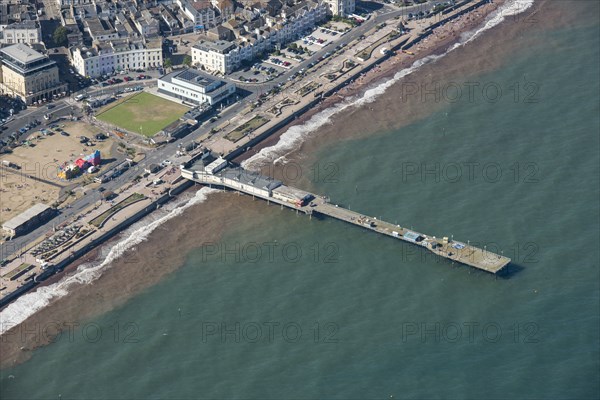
(142, 113)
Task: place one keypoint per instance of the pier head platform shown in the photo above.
(218, 172)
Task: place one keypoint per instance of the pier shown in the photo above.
(220, 173)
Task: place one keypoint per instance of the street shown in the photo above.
(64, 107)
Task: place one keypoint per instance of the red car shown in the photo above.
(127, 78)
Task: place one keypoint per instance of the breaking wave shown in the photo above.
(290, 140)
(28, 304)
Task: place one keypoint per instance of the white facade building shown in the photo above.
(195, 88)
(218, 56)
(343, 8)
(27, 32)
(67, 3)
(225, 57)
(199, 12)
(117, 55)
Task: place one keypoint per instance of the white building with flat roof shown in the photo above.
(221, 56)
(193, 87)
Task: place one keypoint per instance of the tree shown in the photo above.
(60, 36)
(168, 63)
(187, 61)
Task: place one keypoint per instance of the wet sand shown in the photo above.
(143, 266)
(436, 44)
(165, 249)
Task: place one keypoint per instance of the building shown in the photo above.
(254, 39)
(200, 12)
(147, 25)
(117, 55)
(193, 87)
(21, 32)
(220, 56)
(100, 30)
(68, 3)
(29, 75)
(342, 8)
(28, 220)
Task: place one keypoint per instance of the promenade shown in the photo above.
(88, 228)
(94, 225)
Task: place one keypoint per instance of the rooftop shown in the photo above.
(202, 82)
(25, 216)
(23, 25)
(222, 46)
(22, 53)
(194, 77)
(249, 178)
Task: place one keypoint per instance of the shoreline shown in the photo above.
(443, 38)
(383, 70)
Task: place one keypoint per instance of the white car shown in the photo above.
(167, 162)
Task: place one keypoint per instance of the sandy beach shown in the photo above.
(19, 191)
(172, 240)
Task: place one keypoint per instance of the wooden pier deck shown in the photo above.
(453, 250)
(443, 247)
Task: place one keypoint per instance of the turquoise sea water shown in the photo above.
(286, 307)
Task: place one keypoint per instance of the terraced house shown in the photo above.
(117, 55)
(258, 36)
(21, 32)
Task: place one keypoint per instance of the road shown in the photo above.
(64, 107)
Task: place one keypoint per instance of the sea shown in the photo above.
(495, 143)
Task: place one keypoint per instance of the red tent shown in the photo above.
(81, 163)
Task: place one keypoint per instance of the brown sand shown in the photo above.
(19, 192)
(375, 116)
(144, 266)
(224, 210)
